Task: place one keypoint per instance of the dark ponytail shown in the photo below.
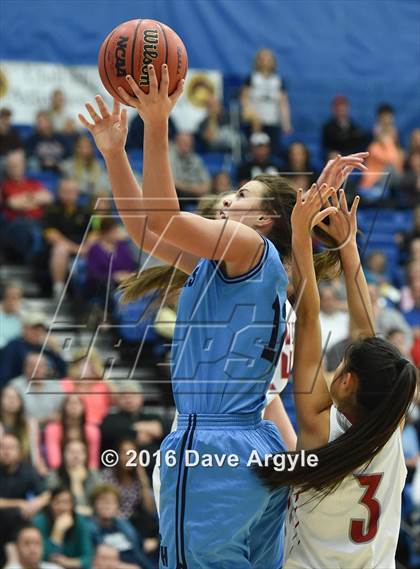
(386, 387)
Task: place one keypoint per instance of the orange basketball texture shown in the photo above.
(134, 45)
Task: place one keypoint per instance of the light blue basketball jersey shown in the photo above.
(228, 336)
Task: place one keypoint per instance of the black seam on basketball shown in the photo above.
(133, 51)
(166, 44)
(105, 68)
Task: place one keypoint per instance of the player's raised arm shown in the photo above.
(229, 240)
(343, 229)
(109, 130)
(311, 393)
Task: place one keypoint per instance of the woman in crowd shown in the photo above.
(64, 532)
(86, 378)
(108, 526)
(14, 420)
(264, 99)
(72, 426)
(109, 260)
(86, 169)
(75, 474)
(133, 484)
(298, 169)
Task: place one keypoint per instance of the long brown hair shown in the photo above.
(20, 426)
(279, 199)
(386, 388)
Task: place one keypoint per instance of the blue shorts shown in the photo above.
(219, 517)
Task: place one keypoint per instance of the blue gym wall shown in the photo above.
(368, 50)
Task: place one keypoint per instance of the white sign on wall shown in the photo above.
(26, 87)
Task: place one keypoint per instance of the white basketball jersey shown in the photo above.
(357, 525)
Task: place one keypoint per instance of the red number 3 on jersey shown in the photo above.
(360, 530)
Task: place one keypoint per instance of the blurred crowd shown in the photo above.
(57, 501)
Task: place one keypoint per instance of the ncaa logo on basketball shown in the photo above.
(150, 52)
(120, 56)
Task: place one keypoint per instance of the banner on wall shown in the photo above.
(26, 87)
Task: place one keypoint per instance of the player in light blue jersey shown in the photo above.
(214, 512)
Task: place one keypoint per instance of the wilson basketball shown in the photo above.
(134, 45)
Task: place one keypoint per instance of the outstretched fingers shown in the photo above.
(93, 114)
(85, 123)
(102, 107)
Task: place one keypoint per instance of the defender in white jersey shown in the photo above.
(344, 513)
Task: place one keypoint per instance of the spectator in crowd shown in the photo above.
(24, 200)
(386, 317)
(64, 532)
(11, 313)
(136, 132)
(399, 339)
(107, 527)
(86, 378)
(41, 395)
(85, 168)
(260, 162)
(72, 426)
(34, 332)
(190, 174)
(57, 113)
(414, 143)
(215, 132)
(405, 239)
(9, 136)
(220, 183)
(65, 225)
(264, 99)
(340, 133)
(129, 420)
(412, 312)
(334, 322)
(13, 419)
(385, 159)
(46, 149)
(28, 550)
(137, 504)
(385, 120)
(109, 260)
(74, 473)
(22, 491)
(409, 183)
(106, 557)
(376, 269)
(298, 169)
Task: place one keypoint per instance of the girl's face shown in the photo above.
(10, 401)
(245, 204)
(106, 506)
(266, 61)
(61, 504)
(84, 148)
(297, 154)
(74, 407)
(75, 455)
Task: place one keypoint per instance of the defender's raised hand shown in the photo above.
(336, 171)
(342, 227)
(310, 209)
(156, 105)
(108, 129)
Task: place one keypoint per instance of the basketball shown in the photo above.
(134, 45)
